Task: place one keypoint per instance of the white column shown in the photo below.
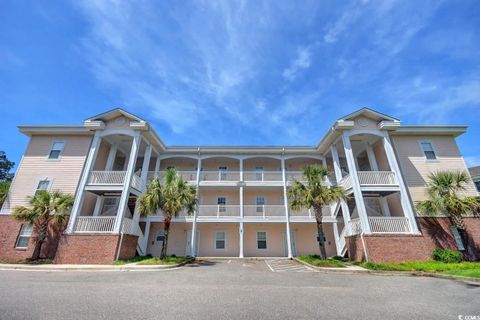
(194, 223)
(357, 191)
(371, 157)
(146, 165)
(384, 205)
(111, 157)
(157, 165)
(240, 230)
(89, 162)
(126, 184)
(337, 238)
(146, 235)
(98, 206)
(285, 202)
(338, 177)
(406, 205)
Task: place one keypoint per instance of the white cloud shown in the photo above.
(301, 62)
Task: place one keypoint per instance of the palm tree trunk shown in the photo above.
(320, 233)
(166, 228)
(42, 235)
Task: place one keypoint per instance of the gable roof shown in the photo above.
(369, 113)
(111, 114)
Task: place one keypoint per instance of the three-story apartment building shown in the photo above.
(243, 207)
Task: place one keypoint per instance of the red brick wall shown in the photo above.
(9, 230)
(94, 248)
(129, 247)
(435, 233)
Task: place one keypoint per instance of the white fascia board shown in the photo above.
(94, 125)
(430, 130)
(139, 125)
(54, 130)
(344, 124)
(389, 125)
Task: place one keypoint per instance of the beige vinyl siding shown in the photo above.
(64, 173)
(416, 168)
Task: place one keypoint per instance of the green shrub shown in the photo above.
(447, 256)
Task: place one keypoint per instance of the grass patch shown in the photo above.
(466, 269)
(28, 261)
(149, 260)
(314, 260)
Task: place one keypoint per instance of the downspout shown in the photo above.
(119, 246)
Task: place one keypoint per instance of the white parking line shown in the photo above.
(287, 266)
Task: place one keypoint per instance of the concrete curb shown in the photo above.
(467, 280)
(91, 267)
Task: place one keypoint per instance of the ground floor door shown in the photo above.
(293, 241)
(188, 247)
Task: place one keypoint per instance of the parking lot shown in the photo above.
(231, 289)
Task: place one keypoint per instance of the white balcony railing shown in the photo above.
(377, 178)
(218, 211)
(190, 176)
(381, 225)
(371, 178)
(264, 211)
(302, 213)
(219, 176)
(294, 175)
(137, 182)
(389, 224)
(94, 224)
(107, 177)
(354, 227)
(262, 176)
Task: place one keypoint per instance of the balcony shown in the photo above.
(264, 212)
(263, 177)
(189, 176)
(371, 180)
(111, 180)
(219, 178)
(218, 212)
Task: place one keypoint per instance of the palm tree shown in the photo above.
(315, 194)
(46, 208)
(4, 186)
(443, 190)
(171, 197)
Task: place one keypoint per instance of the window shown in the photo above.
(259, 173)
(57, 149)
(160, 236)
(261, 240)
(222, 171)
(260, 202)
(222, 202)
(24, 236)
(427, 149)
(110, 206)
(220, 240)
(43, 185)
(458, 238)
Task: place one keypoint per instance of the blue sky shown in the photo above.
(239, 72)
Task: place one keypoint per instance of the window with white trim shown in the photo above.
(43, 185)
(220, 237)
(428, 150)
(261, 240)
(56, 150)
(24, 236)
(222, 202)
(260, 202)
(458, 238)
